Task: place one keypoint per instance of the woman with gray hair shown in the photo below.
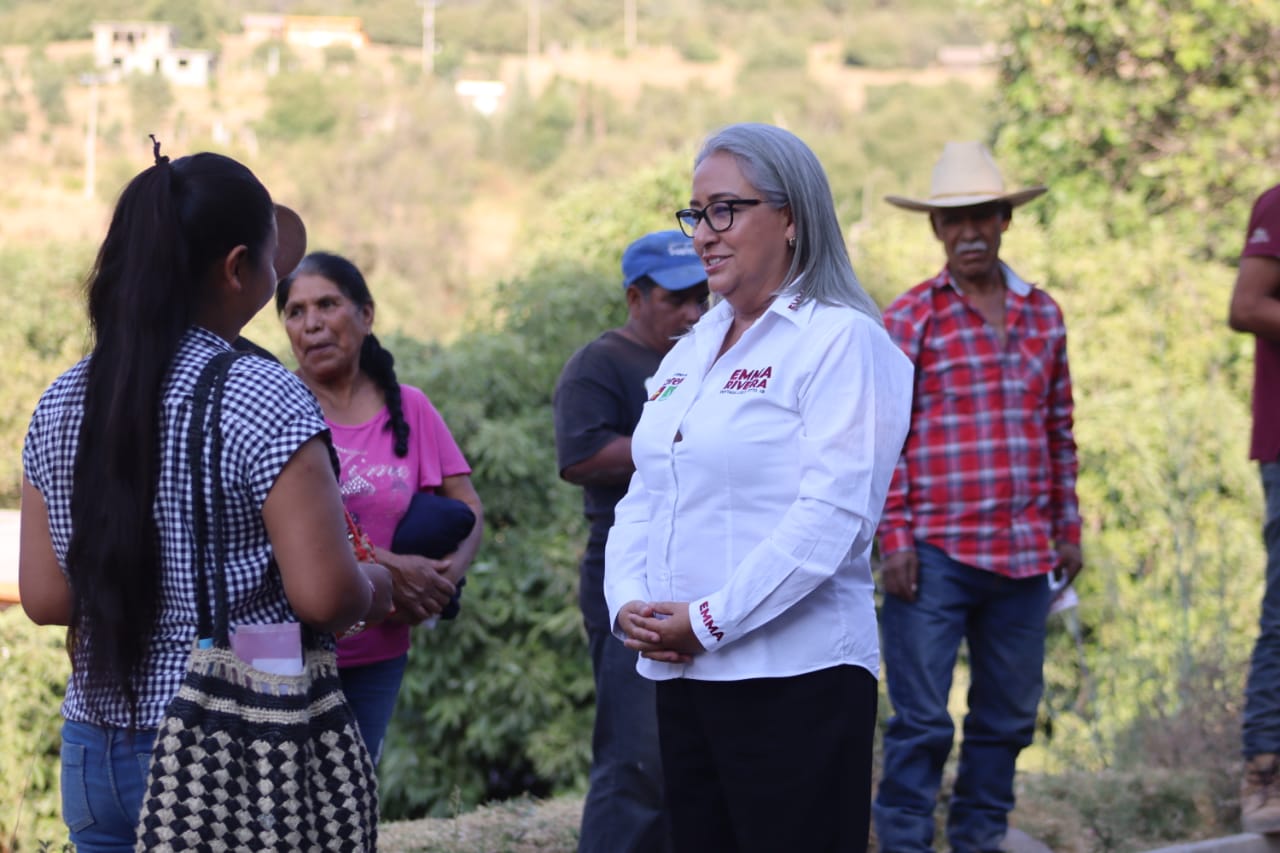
(738, 565)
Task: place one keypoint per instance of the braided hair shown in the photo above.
(376, 362)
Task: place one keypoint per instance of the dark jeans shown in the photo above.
(1003, 622)
(371, 690)
(769, 764)
(1262, 691)
(104, 775)
(623, 809)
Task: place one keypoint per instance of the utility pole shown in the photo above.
(535, 28)
(629, 24)
(91, 137)
(428, 36)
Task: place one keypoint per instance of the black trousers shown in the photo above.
(769, 764)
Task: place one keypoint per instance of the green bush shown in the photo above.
(768, 50)
(35, 674)
(48, 79)
(301, 104)
(882, 38)
(697, 48)
(535, 129)
(1120, 811)
(339, 55)
(13, 118)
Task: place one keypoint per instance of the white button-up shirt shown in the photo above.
(760, 478)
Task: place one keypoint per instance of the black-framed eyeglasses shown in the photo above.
(718, 215)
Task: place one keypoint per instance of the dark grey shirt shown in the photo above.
(599, 396)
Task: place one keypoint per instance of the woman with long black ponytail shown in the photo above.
(392, 445)
(107, 547)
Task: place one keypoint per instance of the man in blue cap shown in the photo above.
(597, 403)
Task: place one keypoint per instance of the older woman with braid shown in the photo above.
(391, 444)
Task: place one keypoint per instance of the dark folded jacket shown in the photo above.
(434, 526)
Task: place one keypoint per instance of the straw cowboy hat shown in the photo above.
(966, 174)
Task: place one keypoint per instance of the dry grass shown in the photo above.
(1105, 812)
(516, 826)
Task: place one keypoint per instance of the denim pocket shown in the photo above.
(75, 794)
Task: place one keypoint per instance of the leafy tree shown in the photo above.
(398, 201)
(1153, 673)
(301, 104)
(1180, 118)
(44, 332)
(198, 24)
(1153, 124)
(486, 26)
(13, 119)
(536, 127)
(48, 79)
(339, 56)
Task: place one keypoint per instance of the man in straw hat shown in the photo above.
(1255, 308)
(981, 525)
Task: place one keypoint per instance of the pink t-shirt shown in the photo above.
(376, 488)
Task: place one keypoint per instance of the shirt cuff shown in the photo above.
(705, 627)
(898, 539)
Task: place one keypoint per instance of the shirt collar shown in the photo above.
(1012, 280)
(208, 338)
(784, 304)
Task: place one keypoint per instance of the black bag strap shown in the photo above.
(207, 406)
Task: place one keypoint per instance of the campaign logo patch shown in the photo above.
(748, 380)
(668, 387)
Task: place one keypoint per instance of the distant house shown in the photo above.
(968, 55)
(483, 95)
(317, 31)
(149, 47)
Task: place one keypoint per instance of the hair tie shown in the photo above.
(155, 149)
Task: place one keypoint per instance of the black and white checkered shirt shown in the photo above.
(267, 415)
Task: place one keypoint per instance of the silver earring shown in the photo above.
(791, 242)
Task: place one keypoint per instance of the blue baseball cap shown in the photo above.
(667, 257)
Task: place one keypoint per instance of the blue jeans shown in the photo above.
(371, 690)
(1262, 691)
(1003, 622)
(104, 774)
(623, 809)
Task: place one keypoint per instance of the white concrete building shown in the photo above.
(149, 47)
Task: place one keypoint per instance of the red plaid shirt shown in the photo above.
(988, 472)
